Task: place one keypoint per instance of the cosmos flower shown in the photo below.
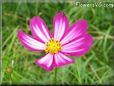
(66, 41)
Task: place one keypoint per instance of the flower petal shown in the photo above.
(39, 29)
(46, 62)
(78, 46)
(77, 29)
(29, 42)
(61, 60)
(60, 25)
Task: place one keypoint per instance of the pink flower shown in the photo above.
(73, 41)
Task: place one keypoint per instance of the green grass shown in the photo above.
(95, 67)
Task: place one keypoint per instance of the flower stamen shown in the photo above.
(53, 46)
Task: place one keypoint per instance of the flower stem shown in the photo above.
(55, 76)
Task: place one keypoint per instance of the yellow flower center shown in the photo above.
(53, 46)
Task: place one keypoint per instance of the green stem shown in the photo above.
(55, 77)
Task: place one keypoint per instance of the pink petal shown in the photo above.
(77, 29)
(60, 25)
(29, 42)
(45, 62)
(39, 29)
(78, 46)
(61, 60)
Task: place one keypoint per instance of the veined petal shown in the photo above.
(29, 42)
(78, 46)
(61, 60)
(77, 29)
(46, 62)
(60, 25)
(39, 29)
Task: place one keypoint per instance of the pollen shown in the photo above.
(53, 46)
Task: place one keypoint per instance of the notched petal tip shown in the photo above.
(43, 66)
(45, 62)
(60, 13)
(90, 40)
(83, 22)
(19, 33)
(34, 18)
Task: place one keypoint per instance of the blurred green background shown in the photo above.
(18, 65)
